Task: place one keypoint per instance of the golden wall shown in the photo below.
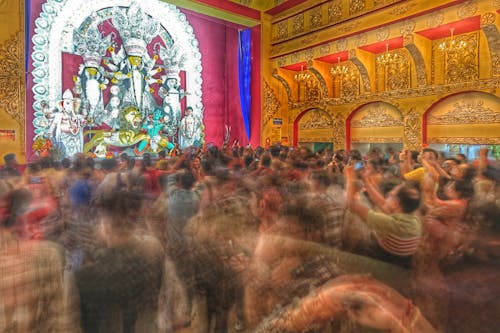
(365, 90)
(12, 91)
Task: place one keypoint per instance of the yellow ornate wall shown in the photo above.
(306, 34)
(12, 93)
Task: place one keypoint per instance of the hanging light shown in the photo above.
(302, 76)
(451, 44)
(339, 70)
(387, 58)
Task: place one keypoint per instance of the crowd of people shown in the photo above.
(271, 239)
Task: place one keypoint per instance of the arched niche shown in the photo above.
(377, 124)
(313, 128)
(468, 118)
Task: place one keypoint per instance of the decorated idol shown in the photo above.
(137, 72)
(91, 75)
(67, 125)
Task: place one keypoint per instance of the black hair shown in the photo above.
(162, 154)
(430, 150)
(265, 160)
(464, 188)
(274, 150)
(123, 206)
(186, 179)
(322, 177)
(409, 197)
(15, 201)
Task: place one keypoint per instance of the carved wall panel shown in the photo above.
(493, 38)
(271, 104)
(457, 64)
(413, 130)
(467, 115)
(376, 123)
(315, 126)
(285, 85)
(12, 89)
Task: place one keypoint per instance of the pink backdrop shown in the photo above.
(218, 43)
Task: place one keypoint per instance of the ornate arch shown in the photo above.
(376, 122)
(471, 117)
(319, 121)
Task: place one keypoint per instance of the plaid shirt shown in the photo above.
(31, 288)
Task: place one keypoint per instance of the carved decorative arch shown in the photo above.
(363, 72)
(418, 60)
(317, 121)
(467, 118)
(321, 80)
(375, 122)
(285, 85)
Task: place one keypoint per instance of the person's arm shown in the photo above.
(405, 162)
(374, 193)
(352, 202)
(483, 159)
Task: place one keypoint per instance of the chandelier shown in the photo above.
(339, 70)
(387, 58)
(451, 44)
(302, 76)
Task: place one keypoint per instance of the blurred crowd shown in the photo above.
(270, 239)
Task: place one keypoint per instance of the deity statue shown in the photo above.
(91, 79)
(66, 126)
(136, 69)
(172, 94)
(188, 129)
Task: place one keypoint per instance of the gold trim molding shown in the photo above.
(466, 140)
(376, 140)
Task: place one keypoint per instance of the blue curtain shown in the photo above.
(245, 75)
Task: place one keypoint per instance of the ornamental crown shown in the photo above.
(137, 29)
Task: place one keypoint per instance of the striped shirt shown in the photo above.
(398, 234)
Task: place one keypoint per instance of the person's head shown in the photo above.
(449, 165)
(118, 212)
(265, 160)
(461, 158)
(109, 164)
(10, 159)
(12, 205)
(463, 172)
(321, 179)
(429, 154)
(186, 180)
(274, 150)
(265, 201)
(66, 163)
(188, 111)
(459, 189)
(404, 198)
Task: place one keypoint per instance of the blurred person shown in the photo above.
(119, 288)
(397, 230)
(222, 239)
(31, 276)
(11, 167)
(183, 202)
(330, 206)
